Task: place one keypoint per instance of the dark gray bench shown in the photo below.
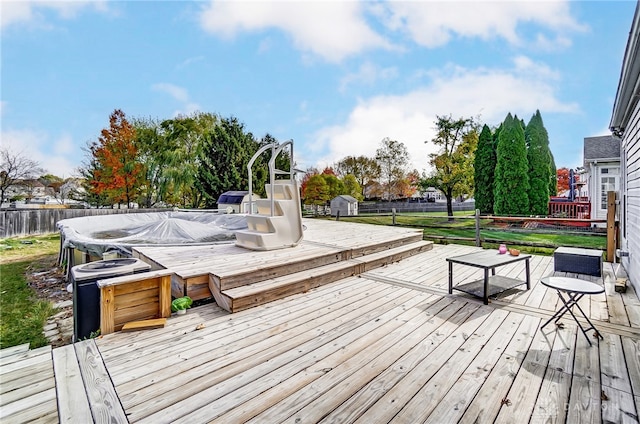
(579, 261)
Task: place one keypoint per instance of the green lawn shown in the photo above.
(22, 315)
(439, 228)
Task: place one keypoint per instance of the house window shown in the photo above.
(608, 182)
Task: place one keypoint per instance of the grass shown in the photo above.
(22, 315)
(440, 229)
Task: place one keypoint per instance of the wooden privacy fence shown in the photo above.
(25, 222)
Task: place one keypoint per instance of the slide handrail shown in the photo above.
(276, 149)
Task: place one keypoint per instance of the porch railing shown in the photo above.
(578, 210)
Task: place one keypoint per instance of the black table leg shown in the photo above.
(527, 268)
(450, 277)
(559, 313)
(586, 318)
(572, 300)
(486, 286)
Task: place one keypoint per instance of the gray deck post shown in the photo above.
(478, 243)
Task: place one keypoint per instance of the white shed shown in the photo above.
(236, 200)
(345, 205)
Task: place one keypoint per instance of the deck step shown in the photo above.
(382, 246)
(230, 279)
(245, 276)
(254, 294)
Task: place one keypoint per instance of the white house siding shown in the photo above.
(630, 213)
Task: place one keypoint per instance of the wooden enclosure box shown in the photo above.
(134, 298)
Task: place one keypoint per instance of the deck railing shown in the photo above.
(578, 210)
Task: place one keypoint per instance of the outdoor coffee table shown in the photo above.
(489, 285)
(575, 289)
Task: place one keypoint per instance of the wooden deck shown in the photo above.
(389, 345)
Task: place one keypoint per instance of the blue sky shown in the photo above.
(336, 77)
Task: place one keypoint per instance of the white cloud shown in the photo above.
(189, 61)
(332, 30)
(560, 42)
(368, 74)
(64, 145)
(179, 94)
(409, 118)
(32, 11)
(432, 24)
(56, 156)
(537, 71)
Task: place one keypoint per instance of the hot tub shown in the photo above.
(109, 236)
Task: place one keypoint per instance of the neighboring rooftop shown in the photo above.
(346, 197)
(601, 147)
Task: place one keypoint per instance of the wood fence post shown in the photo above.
(478, 243)
(393, 216)
(611, 225)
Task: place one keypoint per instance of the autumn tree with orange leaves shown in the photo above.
(117, 174)
(563, 179)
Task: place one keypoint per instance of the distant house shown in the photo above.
(238, 201)
(345, 205)
(625, 123)
(432, 194)
(26, 190)
(602, 171)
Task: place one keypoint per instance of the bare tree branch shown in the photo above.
(15, 167)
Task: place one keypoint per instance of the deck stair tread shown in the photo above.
(249, 262)
(204, 271)
(257, 293)
(261, 265)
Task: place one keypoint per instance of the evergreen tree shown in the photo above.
(226, 151)
(553, 180)
(511, 176)
(539, 158)
(484, 169)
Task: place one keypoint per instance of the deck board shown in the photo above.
(390, 345)
(286, 356)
